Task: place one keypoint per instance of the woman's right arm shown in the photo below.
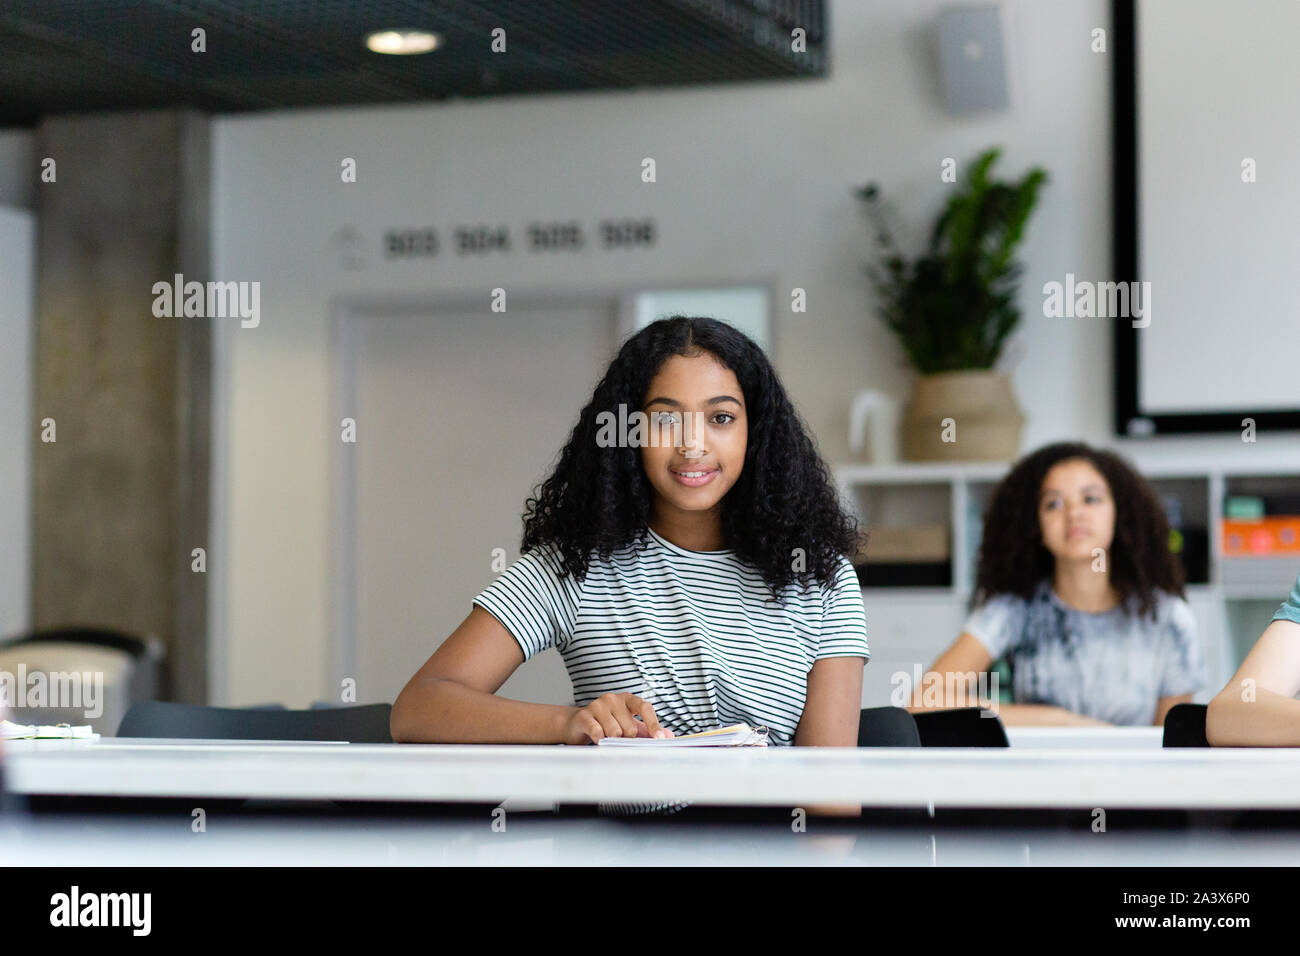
(1263, 712)
(452, 698)
(956, 672)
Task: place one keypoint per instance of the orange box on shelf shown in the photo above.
(1274, 534)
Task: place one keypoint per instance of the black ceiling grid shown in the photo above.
(60, 56)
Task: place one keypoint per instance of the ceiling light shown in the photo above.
(403, 41)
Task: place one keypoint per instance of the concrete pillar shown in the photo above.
(121, 497)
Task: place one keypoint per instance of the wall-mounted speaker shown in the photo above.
(972, 55)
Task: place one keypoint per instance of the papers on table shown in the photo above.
(11, 731)
(737, 735)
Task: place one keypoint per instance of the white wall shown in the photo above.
(17, 373)
(753, 184)
(17, 424)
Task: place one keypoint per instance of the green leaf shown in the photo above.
(954, 307)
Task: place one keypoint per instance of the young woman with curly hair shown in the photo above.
(1078, 590)
(688, 584)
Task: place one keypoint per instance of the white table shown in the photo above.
(528, 839)
(1089, 738)
(1023, 776)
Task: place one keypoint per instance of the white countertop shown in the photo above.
(530, 839)
(1021, 776)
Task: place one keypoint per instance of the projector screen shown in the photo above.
(1208, 213)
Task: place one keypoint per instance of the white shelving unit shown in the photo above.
(909, 626)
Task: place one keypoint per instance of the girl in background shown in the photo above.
(1078, 590)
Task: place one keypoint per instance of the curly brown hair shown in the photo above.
(599, 499)
(1013, 559)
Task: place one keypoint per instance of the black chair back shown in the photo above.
(887, 727)
(364, 724)
(95, 636)
(961, 727)
(1185, 726)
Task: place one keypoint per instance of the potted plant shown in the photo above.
(953, 308)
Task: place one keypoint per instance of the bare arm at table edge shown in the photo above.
(452, 697)
(831, 711)
(1258, 708)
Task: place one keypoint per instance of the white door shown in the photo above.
(458, 416)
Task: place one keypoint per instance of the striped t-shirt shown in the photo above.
(696, 633)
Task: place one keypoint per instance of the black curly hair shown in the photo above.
(599, 498)
(1013, 559)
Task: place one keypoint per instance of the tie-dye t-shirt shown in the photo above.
(1112, 666)
(1290, 611)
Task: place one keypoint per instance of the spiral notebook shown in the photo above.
(736, 735)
